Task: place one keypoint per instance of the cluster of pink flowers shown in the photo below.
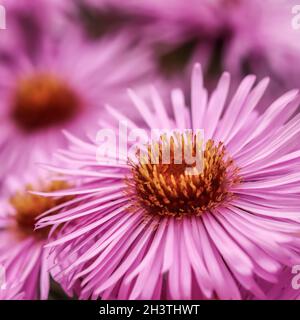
(134, 230)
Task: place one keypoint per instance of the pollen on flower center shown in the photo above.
(167, 189)
(29, 206)
(42, 101)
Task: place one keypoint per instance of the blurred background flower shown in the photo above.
(22, 254)
(239, 36)
(56, 79)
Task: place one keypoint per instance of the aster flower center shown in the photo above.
(29, 206)
(167, 190)
(42, 101)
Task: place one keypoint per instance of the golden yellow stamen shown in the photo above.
(167, 190)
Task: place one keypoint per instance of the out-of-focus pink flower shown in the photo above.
(264, 41)
(152, 231)
(236, 35)
(11, 294)
(22, 255)
(288, 285)
(27, 22)
(64, 83)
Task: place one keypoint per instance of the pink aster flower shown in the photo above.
(264, 41)
(24, 259)
(62, 85)
(11, 294)
(28, 21)
(152, 231)
(240, 36)
(288, 285)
